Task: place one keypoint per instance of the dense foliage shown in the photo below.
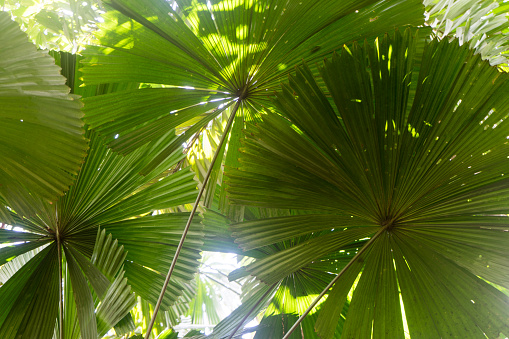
(355, 150)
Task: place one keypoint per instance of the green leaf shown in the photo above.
(8, 236)
(43, 142)
(10, 268)
(168, 334)
(97, 279)
(83, 298)
(279, 265)
(334, 305)
(161, 235)
(262, 232)
(194, 53)
(11, 252)
(108, 191)
(148, 285)
(117, 302)
(71, 322)
(244, 313)
(125, 325)
(217, 234)
(426, 168)
(108, 256)
(33, 290)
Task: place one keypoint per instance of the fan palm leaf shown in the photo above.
(284, 299)
(422, 174)
(42, 145)
(79, 223)
(198, 56)
(109, 193)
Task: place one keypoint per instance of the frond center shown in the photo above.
(388, 224)
(242, 93)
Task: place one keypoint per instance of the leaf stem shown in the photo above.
(60, 294)
(220, 283)
(336, 278)
(221, 273)
(191, 216)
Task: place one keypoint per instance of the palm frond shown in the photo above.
(480, 24)
(427, 169)
(32, 288)
(43, 141)
(10, 268)
(199, 56)
(109, 193)
(250, 307)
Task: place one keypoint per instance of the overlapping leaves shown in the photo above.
(30, 296)
(480, 24)
(428, 167)
(109, 193)
(284, 299)
(199, 55)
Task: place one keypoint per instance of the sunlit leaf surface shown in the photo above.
(42, 144)
(428, 168)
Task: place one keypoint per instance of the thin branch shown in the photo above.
(191, 216)
(221, 273)
(313, 304)
(60, 292)
(220, 283)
